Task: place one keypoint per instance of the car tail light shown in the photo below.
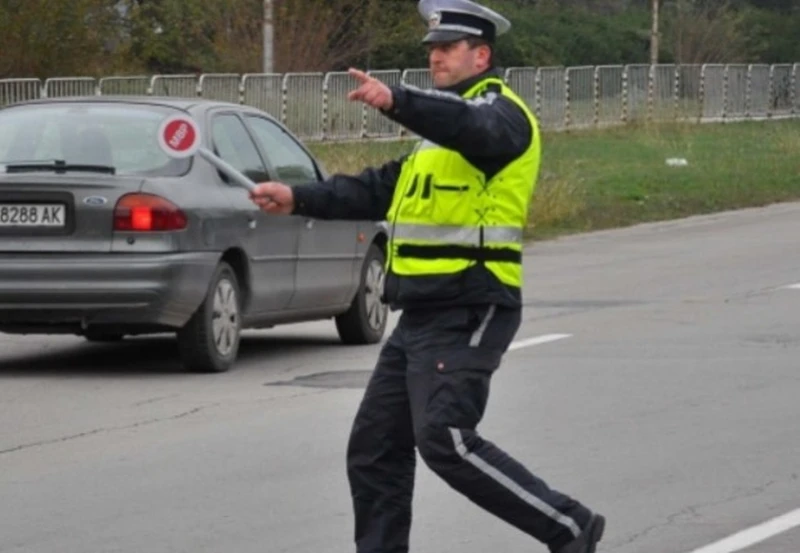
(146, 212)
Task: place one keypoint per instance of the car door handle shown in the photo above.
(252, 223)
(309, 223)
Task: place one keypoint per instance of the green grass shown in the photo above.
(616, 177)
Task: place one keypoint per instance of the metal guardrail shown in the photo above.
(315, 106)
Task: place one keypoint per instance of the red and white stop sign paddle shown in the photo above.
(179, 137)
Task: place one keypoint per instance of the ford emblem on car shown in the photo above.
(94, 200)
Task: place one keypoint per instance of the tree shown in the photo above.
(43, 38)
(711, 31)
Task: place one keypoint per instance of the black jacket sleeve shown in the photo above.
(366, 196)
(489, 126)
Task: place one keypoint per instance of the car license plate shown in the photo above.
(32, 215)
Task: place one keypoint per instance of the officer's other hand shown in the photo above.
(370, 91)
(273, 197)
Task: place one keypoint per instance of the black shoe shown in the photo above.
(587, 541)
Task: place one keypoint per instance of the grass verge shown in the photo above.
(600, 179)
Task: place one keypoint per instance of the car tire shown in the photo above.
(365, 321)
(209, 342)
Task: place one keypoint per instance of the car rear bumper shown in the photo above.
(102, 289)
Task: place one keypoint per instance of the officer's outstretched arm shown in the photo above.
(367, 195)
(487, 126)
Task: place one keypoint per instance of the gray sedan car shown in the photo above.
(102, 235)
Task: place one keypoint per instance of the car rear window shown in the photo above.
(120, 135)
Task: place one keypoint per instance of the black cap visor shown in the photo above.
(434, 37)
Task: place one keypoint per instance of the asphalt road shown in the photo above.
(669, 403)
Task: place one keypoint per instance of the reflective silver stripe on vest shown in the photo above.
(470, 236)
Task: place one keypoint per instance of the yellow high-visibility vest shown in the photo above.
(445, 216)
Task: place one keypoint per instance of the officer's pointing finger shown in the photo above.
(360, 75)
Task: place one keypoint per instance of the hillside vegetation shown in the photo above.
(41, 38)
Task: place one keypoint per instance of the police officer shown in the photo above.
(456, 207)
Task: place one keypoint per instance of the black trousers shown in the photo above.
(429, 391)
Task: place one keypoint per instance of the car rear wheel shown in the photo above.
(365, 321)
(209, 342)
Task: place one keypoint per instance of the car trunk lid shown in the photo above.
(71, 212)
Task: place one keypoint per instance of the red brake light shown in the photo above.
(146, 212)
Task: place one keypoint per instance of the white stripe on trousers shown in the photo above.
(512, 486)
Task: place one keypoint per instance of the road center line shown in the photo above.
(751, 536)
(537, 340)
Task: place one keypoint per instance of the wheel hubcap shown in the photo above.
(373, 290)
(225, 317)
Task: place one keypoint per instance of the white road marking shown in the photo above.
(793, 286)
(537, 340)
(751, 536)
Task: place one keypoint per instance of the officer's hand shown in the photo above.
(371, 91)
(273, 197)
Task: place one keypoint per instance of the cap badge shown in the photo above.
(434, 20)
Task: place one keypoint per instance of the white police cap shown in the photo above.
(451, 20)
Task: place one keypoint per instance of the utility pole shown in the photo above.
(268, 37)
(679, 41)
(654, 35)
